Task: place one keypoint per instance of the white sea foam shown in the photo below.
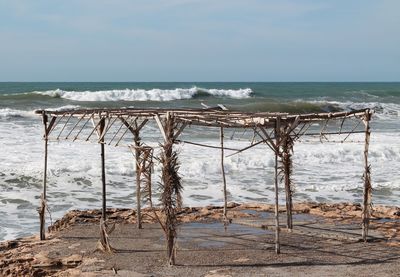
(64, 108)
(8, 113)
(322, 172)
(382, 110)
(145, 95)
(12, 113)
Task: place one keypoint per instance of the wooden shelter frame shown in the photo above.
(122, 127)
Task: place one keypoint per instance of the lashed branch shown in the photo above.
(170, 186)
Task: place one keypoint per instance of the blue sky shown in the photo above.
(200, 40)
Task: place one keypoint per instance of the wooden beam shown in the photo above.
(103, 171)
(138, 189)
(225, 211)
(367, 180)
(246, 148)
(180, 130)
(161, 127)
(128, 128)
(277, 240)
(206, 145)
(42, 210)
(73, 128)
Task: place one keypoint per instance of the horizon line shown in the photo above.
(200, 81)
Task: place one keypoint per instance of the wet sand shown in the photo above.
(324, 242)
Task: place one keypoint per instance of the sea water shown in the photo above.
(324, 172)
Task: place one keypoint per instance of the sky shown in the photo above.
(200, 40)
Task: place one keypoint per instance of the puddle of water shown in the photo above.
(385, 220)
(252, 212)
(212, 235)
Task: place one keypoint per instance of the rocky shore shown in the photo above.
(70, 248)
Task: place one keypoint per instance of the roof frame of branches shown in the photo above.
(123, 127)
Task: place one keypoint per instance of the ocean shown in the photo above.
(323, 172)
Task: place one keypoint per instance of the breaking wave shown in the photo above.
(145, 95)
(382, 110)
(13, 113)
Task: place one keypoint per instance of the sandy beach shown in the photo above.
(325, 241)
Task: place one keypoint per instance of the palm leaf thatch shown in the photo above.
(286, 169)
(170, 188)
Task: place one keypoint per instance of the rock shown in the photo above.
(74, 245)
(232, 205)
(38, 273)
(42, 258)
(219, 273)
(73, 260)
(241, 260)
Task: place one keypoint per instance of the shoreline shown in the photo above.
(29, 255)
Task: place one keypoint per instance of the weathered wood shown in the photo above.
(42, 217)
(205, 145)
(213, 117)
(42, 210)
(246, 148)
(225, 212)
(138, 190)
(160, 126)
(172, 122)
(103, 171)
(128, 128)
(367, 180)
(277, 241)
(95, 129)
(171, 187)
(287, 170)
(65, 124)
(76, 124)
(118, 130)
(83, 127)
(104, 242)
(268, 141)
(180, 130)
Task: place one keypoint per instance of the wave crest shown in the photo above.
(145, 95)
(12, 113)
(382, 110)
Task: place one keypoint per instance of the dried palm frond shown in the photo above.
(286, 169)
(170, 188)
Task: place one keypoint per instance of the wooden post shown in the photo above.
(169, 208)
(367, 179)
(138, 189)
(287, 164)
(223, 176)
(42, 209)
(103, 170)
(277, 135)
(171, 186)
